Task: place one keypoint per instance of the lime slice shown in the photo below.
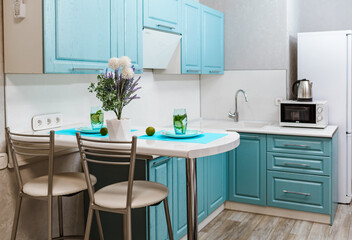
(101, 118)
(94, 118)
(178, 124)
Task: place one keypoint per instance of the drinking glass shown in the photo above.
(180, 121)
(96, 117)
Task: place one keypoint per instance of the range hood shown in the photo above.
(161, 49)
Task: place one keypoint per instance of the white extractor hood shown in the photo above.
(160, 49)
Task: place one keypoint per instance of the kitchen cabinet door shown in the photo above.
(216, 181)
(133, 38)
(247, 170)
(191, 37)
(160, 170)
(163, 15)
(212, 41)
(81, 35)
(180, 195)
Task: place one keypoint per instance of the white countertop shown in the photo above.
(261, 128)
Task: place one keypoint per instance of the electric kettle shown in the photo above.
(304, 90)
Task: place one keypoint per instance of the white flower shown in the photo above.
(127, 73)
(114, 63)
(125, 62)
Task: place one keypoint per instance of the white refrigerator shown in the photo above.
(325, 59)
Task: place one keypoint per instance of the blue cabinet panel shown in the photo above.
(191, 37)
(163, 15)
(160, 170)
(212, 41)
(299, 145)
(301, 192)
(81, 35)
(288, 162)
(216, 181)
(133, 38)
(247, 170)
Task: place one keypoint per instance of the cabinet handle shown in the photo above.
(250, 137)
(90, 69)
(296, 145)
(214, 71)
(299, 193)
(161, 162)
(297, 164)
(160, 25)
(193, 70)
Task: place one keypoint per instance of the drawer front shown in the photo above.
(300, 145)
(318, 165)
(298, 191)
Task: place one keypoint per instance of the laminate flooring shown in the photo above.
(230, 225)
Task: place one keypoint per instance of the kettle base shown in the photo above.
(305, 99)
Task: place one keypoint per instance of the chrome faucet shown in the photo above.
(234, 115)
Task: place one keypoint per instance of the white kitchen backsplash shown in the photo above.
(262, 87)
(33, 94)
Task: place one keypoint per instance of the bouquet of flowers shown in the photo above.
(117, 88)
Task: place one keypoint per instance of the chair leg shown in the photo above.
(16, 217)
(127, 228)
(61, 226)
(89, 223)
(50, 212)
(168, 220)
(97, 215)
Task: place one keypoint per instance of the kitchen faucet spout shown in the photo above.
(234, 115)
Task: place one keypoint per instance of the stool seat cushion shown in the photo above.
(144, 193)
(63, 184)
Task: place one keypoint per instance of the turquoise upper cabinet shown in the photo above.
(160, 170)
(191, 37)
(216, 180)
(247, 170)
(81, 35)
(212, 41)
(163, 15)
(133, 39)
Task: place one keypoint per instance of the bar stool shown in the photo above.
(48, 186)
(119, 197)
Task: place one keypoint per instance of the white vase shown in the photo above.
(119, 130)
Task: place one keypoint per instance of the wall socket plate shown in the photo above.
(47, 121)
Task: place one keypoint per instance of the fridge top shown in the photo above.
(324, 33)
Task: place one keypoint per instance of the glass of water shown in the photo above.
(180, 121)
(96, 117)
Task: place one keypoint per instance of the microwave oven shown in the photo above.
(304, 114)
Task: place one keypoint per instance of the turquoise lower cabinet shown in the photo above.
(212, 41)
(216, 181)
(299, 192)
(247, 170)
(163, 15)
(160, 170)
(81, 35)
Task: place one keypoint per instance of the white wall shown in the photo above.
(261, 86)
(33, 94)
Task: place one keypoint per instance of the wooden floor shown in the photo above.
(240, 225)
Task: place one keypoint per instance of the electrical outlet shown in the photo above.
(19, 9)
(47, 121)
(278, 101)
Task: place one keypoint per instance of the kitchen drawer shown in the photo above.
(298, 191)
(300, 145)
(318, 165)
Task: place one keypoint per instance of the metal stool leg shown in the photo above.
(61, 225)
(50, 212)
(127, 228)
(168, 220)
(89, 223)
(16, 217)
(101, 234)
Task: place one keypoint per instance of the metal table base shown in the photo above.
(192, 209)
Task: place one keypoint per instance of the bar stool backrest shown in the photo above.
(31, 145)
(108, 153)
